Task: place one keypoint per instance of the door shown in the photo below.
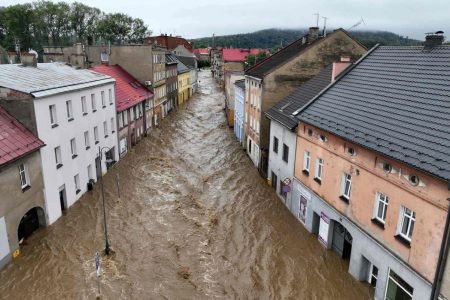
(28, 224)
(98, 168)
(62, 198)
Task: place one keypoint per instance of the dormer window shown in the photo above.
(310, 132)
(351, 151)
(322, 138)
(414, 180)
(387, 167)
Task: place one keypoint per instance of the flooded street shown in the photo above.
(194, 221)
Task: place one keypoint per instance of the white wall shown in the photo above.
(4, 244)
(61, 136)
(276, 163)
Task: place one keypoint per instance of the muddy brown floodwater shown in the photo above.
(194, 221)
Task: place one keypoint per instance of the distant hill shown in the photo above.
(274, 38)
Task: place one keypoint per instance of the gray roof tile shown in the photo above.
(395, 101)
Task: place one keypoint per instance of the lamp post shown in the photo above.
(107, 249)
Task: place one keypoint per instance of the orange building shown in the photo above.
(372, 167)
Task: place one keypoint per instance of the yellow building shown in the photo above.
(183, 82)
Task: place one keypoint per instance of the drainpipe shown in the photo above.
(442, 261)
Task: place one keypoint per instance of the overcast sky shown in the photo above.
(199, 18)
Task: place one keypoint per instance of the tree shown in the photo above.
(115, 27)
(138, 31)
(83, 22)
(254, 59)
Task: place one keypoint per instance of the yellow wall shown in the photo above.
(183, 87)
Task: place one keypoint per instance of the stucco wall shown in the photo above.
(15, 203)
(427, 200)
(276, 163)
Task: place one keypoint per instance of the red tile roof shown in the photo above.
(239, 54)
(201, 51)
(15, 140)
(129, 91)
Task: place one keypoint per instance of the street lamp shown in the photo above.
(107, 249)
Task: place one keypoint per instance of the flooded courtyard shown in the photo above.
(194, 221)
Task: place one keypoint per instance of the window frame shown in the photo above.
(76, 179)
(53, 117)
(275, 145)
(93, 103)
(411, 220)
(319, 169)
(84, 108)
(344, 193)
(58, 157)
(24, 176)
(87, 140)
(96, 137)
(69, 110)
(381, 199)
(285, 156)
(105, 129)
(73, 147)
(102, 95)
(306, 161)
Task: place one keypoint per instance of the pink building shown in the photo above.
(372, 167)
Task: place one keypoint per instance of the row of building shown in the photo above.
(356, 144)
(65, 122)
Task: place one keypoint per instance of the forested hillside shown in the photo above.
(44, 23)
(274, 38)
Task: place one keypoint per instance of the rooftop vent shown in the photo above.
(433, 39)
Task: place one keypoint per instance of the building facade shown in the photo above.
(158, 86)
(230, 78)
(239, 108)
(371, 173)
(171, 82)
(22, 208)
(183, 82)
(278, 75)
(132, 98)
(73, 112)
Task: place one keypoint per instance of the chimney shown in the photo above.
(29, 60)
(340, 66)
(313, 34)
(433, 39)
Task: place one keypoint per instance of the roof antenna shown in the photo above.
(317, 19)
(324, 33)
(357, 24)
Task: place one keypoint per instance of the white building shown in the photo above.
(283, 135)
(239, 110)
(74, 113)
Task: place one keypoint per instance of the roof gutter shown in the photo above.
(345, 72)
(442, 260)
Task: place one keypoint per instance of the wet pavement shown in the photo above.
(194, 221)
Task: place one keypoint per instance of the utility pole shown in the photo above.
(317, 19)
(324, 33)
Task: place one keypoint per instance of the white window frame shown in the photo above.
(76, 180)
(319, 169)
(96, 140)
(93, 103)
(406, 213)
(89, 171)
(105, 129)
(73, 147)
(102, 93)
(53, 118)
(23, 175)
(113, 125)
(87, 141)
(306, 160)
(344, 191)
(84, 105)
(111, 102)
(380, 199)
(58, 156)
(69, 110)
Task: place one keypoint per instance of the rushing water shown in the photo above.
(194, 221)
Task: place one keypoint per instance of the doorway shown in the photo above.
(30, 222)
(342, 241)
(98, 168)
(62, 198)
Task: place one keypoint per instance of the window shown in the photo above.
(89, 170)
(273, 181)
(111, 102)
(346, 186)
(406, 223)
(285, 153)
(69, 110)
(73, 147)
(310, 132)
(96, 135)
(306, 161)
(381, 204)
(351, 151)
(76, 179)
(113, 126)
(84, 105)
(24, 178)
(397, 288)
(125, 117)
(105, 129)
(120, 118)
(319, 169)
(322, 138)
(282, 192)
(373, 275)
(387, 167)
(94, 105)
(58, 157)
(53, 120)
(414, 180)
(102, 93)
(87, 141)
(275, 144)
